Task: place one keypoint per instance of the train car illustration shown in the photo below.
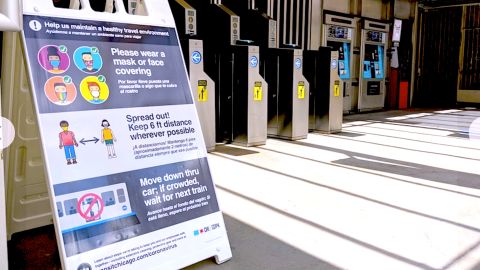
(96, 217)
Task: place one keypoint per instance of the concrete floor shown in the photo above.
(394, 190)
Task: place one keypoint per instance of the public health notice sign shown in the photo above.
(126, 161)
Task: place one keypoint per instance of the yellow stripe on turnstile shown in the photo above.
(258, 91)
(202, 91)
(301, 90)
(336, 89)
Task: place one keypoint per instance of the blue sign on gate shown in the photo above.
(298, 63)
(253, 61)
(196, 57)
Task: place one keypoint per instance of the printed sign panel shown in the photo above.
(301, 90)
(336, 89)
(126, 160)
(258, 91)
(202, 91)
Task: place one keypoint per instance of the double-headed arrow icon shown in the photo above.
(95, 139)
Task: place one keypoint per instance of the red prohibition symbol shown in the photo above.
(90, 200)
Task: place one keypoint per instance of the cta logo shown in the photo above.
(206, 229)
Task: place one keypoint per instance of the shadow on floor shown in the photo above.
(468, 227)
(233, 151)
(342, 133)
(453, 121)
(476, 267)
(462, 135)
(393, 166)
(253, 249)
(299, 265)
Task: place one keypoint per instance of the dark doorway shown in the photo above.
(439, 43)
(470, 71)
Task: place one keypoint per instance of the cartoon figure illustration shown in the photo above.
(109, 202)
(108, 138)
(88, 61)
(67, 142)
(94, 209)
(94, 89)
(53, 58)
(60, 92)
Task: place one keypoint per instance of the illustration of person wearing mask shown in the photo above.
(61, 93)
(67, 142)
(88, 62)
(54, 60)
(95, 89)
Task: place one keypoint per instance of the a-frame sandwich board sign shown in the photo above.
(126, 164)
(10, 20)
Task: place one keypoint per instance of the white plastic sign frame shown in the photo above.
(142, 197)
(10, 15)
(10, 20)
(3, 221)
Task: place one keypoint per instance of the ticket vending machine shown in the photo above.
(338, 33)
(241, 103)
(282, 68)
(203, 87)
(326, 93)
(372, 65)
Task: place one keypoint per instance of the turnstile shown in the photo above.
(326, 93)
(282, 69)
(241, 103)
(203, 87)
(289, 94)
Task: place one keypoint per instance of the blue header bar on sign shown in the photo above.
(67, 29)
